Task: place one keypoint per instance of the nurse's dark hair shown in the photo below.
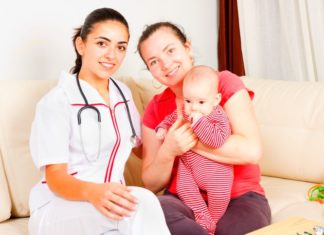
(96, 16)
(150, 29)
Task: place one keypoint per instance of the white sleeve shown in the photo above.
(49, 140)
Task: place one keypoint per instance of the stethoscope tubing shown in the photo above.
(134, 139)
(127, 109)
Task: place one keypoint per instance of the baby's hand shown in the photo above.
(161, 133)
(194, 117)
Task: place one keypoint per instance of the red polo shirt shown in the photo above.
(246, 177)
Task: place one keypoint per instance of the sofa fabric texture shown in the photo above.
(290, 116)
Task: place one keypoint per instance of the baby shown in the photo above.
(195, 172)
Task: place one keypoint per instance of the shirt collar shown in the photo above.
(68, 83)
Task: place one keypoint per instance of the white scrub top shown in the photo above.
(55, 135)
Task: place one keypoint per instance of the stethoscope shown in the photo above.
(135, 140)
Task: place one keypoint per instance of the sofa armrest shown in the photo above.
(5, 202)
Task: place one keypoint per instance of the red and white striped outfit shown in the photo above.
(196, 172)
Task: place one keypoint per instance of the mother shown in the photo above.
(168, 55)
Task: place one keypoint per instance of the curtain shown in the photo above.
(283, 39)
(229, 41)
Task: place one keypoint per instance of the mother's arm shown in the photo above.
(159, 156)
(244, 145)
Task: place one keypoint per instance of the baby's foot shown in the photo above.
(206, 222)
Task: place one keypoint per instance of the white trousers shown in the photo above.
(60, 217)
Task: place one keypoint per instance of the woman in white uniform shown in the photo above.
(80, 141)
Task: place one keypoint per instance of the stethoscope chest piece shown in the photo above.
(135, 141)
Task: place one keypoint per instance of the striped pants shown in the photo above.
(197, 173)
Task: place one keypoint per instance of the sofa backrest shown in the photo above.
(291, 120)
(17, 101)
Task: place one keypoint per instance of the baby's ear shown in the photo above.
(218, 98)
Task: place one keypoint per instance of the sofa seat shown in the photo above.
(288, 198)
(14, 226)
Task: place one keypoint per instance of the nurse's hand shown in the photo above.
(113, 200)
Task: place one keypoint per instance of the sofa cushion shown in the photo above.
(4, 193)
(133, 173)
(291, 116)
(18, 100)
(147, 88)
(14, 227)
(288, 198)
(129, 81)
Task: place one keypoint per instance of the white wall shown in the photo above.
(35, 40)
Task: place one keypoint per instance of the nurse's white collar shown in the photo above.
(68, 83)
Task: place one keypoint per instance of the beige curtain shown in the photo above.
(283, 39)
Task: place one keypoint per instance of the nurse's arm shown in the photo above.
(111, 199)
(244, 145)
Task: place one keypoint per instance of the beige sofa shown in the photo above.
(291, 119)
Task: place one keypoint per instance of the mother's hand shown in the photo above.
(113, 200)
(180, 138)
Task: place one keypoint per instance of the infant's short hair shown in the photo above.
(199, 72)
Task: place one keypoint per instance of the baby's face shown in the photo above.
(199, 97)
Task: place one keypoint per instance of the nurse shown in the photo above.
(80, 141)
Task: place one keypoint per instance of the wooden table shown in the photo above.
(291, 226)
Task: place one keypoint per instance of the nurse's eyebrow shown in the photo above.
(107, 39)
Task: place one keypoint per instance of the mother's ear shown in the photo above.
(79, 45)
(188, 47)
